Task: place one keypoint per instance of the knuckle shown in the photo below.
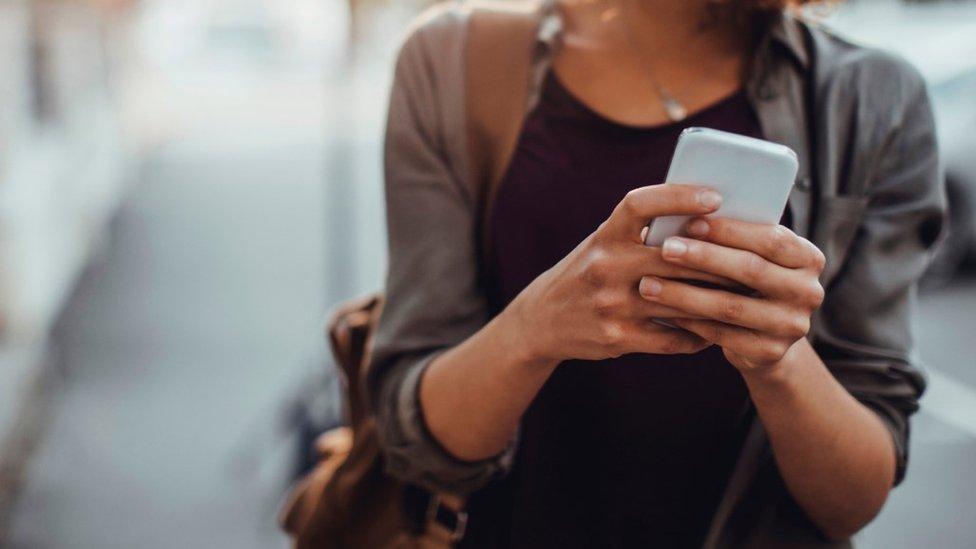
(779, 241)
(797, 326)
(815, 295)
(606, 302)
(783, 234)
(755, 267)
(809, 295)
(780, 348)
(818, 260)
(767, 355)
(597, 269)
(723, 230)
(772, 350)
(731, 309)
(612, 335)
(717, 226)
(631, 202)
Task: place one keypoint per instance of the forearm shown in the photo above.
(474, 394)
(835, 455)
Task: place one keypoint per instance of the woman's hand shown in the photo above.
(754, 331)
(587, 306)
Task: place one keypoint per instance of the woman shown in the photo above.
(535, 381)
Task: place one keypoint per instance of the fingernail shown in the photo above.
(674, 247)
(650, 287)
(698, 227)
(710, 199)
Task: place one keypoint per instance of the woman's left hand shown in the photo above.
(755, 331)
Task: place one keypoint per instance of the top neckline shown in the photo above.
(560, 93)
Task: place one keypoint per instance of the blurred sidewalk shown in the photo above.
(178, 345)
(258, 205)
(933, 507)
(182, 340)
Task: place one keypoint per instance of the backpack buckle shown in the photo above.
(455, 521)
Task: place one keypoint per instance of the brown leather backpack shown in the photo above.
(348, 501)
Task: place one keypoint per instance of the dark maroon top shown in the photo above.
(628, 452)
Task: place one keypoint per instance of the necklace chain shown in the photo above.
(673, 108)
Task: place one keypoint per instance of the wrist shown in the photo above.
(520, 338)
(780, 378)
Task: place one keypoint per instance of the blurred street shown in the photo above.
(200, 316)
(933, 507)
(256, 205)
(178, 346)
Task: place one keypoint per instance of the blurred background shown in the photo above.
(187, 186)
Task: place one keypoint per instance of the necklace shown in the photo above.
(673, 108)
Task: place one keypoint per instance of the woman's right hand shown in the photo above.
(587, 306)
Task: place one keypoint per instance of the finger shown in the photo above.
(643, 204)
(648, 337)
(641, 260)
(740, 341)
(742, 266)
(643, 309)
(747, 312)
(773, 242)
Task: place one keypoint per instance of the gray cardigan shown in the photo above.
(869, 193)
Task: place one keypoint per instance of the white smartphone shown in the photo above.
(753, 176)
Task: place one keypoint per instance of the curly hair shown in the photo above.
(743, 10)
(762, 5)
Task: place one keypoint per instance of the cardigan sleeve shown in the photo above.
(434, 298)
(864, 332)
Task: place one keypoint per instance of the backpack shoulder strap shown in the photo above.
(499, 51)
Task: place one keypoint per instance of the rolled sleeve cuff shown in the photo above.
(414, 455)
(891, 390)
(898, 428)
